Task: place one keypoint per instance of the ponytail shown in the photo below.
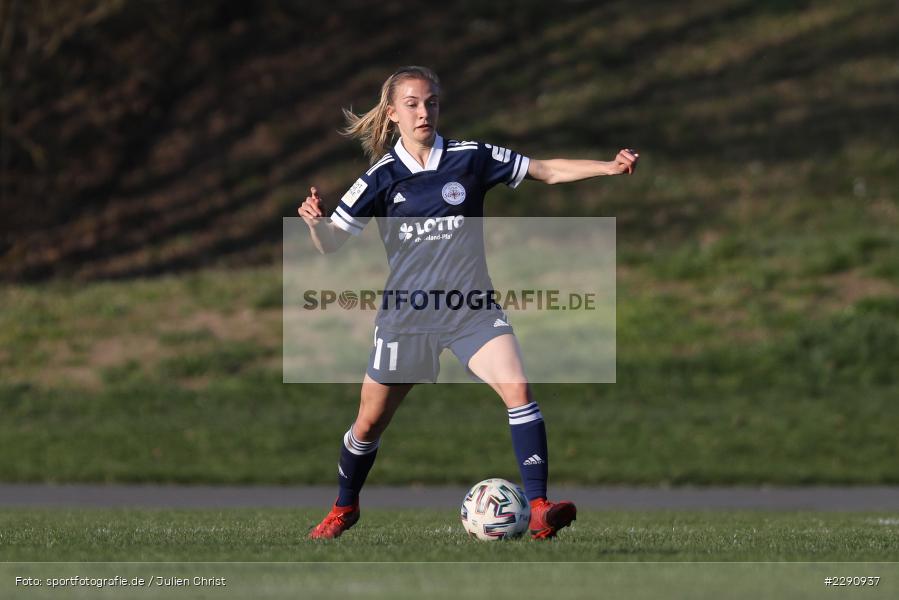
(373, 129)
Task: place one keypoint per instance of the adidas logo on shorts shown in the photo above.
(533, 460)
(500, 323)
(399, 198)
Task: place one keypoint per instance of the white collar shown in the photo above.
(412, 164)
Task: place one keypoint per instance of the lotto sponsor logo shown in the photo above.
(430, 226)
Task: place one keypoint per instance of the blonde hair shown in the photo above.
(373, 128)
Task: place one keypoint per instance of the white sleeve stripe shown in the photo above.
(522, 171)
(350, 218)
(515, 169)
(458, 148)
(349, 228)
(379, 164)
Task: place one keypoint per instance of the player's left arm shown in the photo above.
(562, 170)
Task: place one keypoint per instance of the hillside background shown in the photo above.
(149, 150)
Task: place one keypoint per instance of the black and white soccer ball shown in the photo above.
(495, 509)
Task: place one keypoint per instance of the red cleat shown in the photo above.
(547, 518)
(338, 520)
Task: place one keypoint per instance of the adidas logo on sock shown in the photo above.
(533, 460)
(340, 471)
(501, 323)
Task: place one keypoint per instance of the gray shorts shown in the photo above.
(415, 357)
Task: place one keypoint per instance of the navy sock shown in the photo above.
(529, 442)
(356, 460)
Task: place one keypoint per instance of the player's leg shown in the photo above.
(498, 362)
(378, 403)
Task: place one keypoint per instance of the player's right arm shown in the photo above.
(326, 236)
(352, 213)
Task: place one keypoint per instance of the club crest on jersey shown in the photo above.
(453, 193)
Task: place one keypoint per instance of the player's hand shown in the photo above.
(311, 209)
(625, 161)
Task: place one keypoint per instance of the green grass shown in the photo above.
(435, 535)
(424, 553)
(723, 379)
(241, 432)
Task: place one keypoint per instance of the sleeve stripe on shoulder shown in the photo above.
(520, 170)
(387, 159)
(458, 148)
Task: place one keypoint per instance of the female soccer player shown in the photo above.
(441, 182)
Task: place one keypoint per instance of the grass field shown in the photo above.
(424, 553)
(178, 379)
(431, 535)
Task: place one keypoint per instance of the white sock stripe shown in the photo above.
(525, 418)
(359, 442)
(529, 413)
(360, 445)
(519, 409)
(356, 447)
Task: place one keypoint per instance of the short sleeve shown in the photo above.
(356, 207)
(501, 165)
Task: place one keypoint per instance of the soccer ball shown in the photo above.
(495, 509)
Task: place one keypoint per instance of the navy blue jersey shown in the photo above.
(430, 220)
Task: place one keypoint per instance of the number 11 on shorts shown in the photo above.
(392, 349)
